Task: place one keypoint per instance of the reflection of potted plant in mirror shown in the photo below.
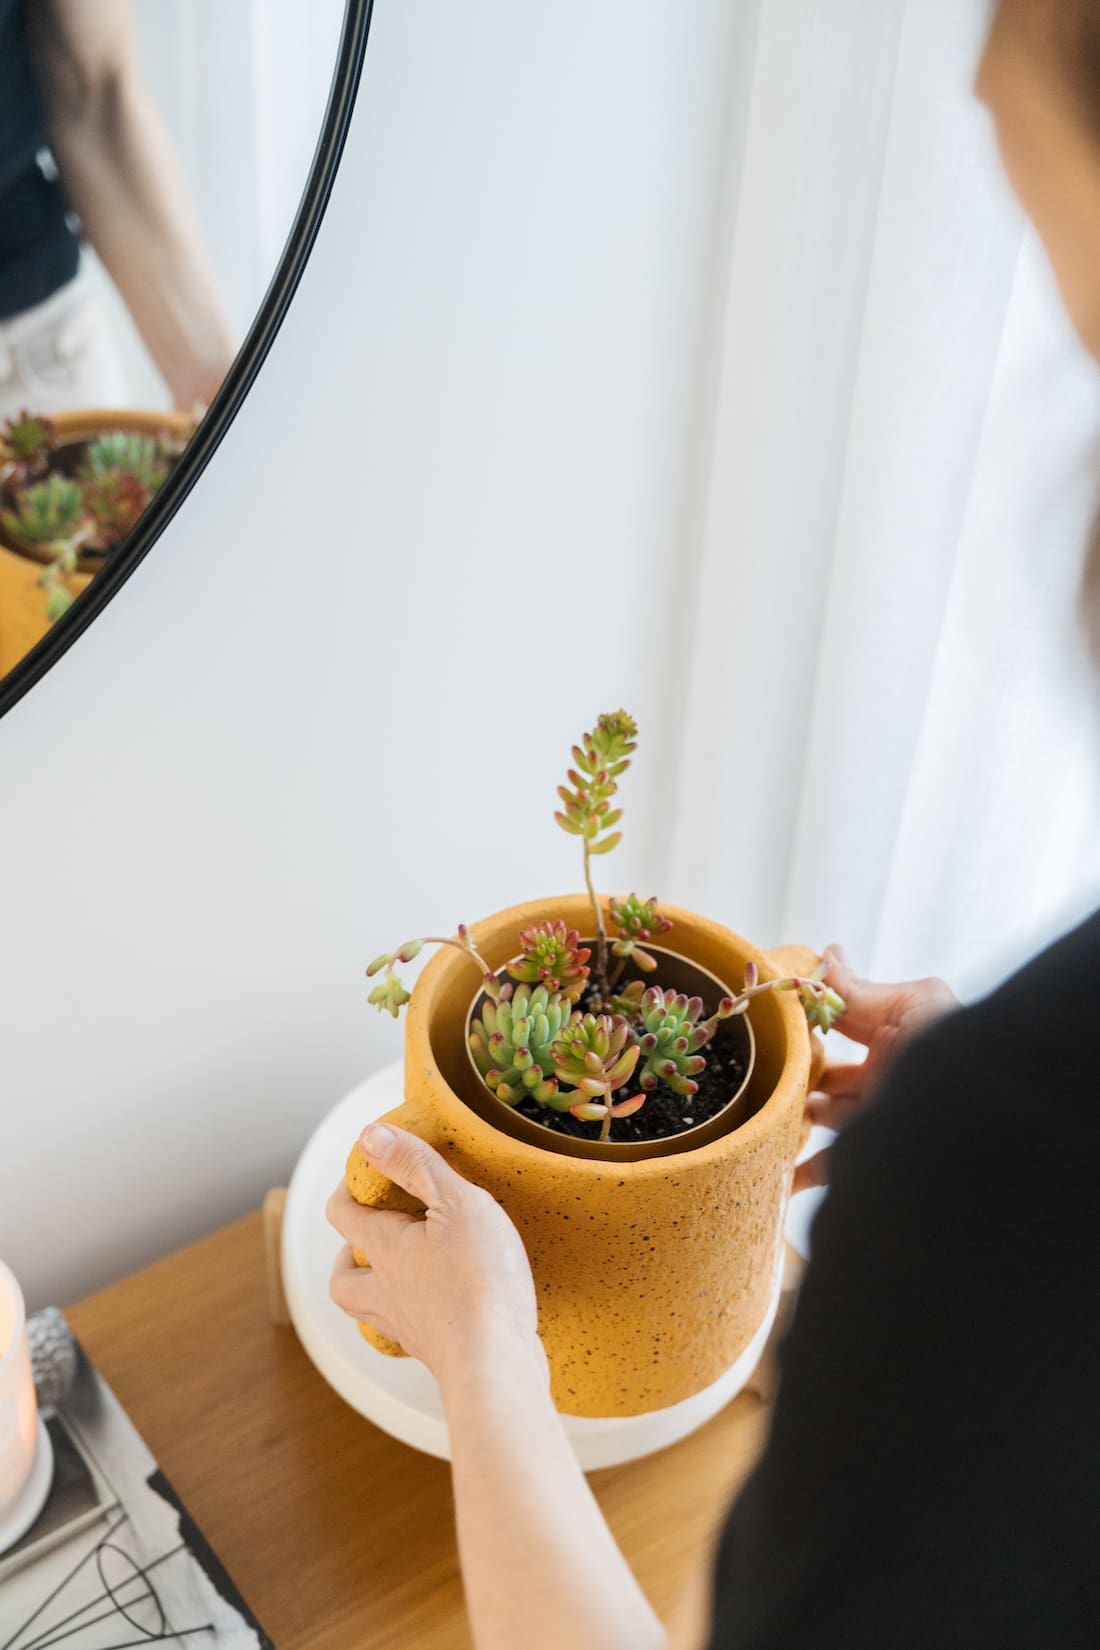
(628, 1080)
(570, 1033)
(72, 488)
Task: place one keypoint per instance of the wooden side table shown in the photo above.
(338, 1536)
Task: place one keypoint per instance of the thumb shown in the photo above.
(410, 1163)
(867, 1006)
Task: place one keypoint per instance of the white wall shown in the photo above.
(332, 706)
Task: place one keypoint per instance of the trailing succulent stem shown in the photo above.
(821, 1004)
(601, 758)
(59, 597)
(390, 995)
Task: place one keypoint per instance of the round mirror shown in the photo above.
(164, 165)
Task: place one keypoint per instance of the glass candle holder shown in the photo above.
(26, 1456)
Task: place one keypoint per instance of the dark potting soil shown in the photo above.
(664, 1113)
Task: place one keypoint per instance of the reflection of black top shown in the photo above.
(38, 250)
(932, 1480)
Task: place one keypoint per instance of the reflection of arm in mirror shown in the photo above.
(123, 179)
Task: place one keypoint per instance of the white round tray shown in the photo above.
(18, 1518)
(398, 1394)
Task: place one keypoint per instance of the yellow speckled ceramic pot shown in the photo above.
(652, 1276)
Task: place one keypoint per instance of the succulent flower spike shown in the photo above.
(595, 1054)
(25, 446)
(114, 450)
(513, 1045)
(672, 1033)
(552, 955)
(48, 512)
(635, 919)
(614, 740)
(600, 757)
(390, 995)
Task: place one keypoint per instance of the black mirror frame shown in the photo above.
(239, 379)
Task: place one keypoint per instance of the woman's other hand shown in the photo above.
(881, 1017)
(450, 1286)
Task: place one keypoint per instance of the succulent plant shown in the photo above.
(25, 446)
(115, 450)
(595, 1054)
(552, 955)
(532, 1040)
(671, 1032)
(47, 512)
(635, 919)
(513, 1045)
(601, 758)
(114, 499)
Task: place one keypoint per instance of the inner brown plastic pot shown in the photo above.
(673, 972)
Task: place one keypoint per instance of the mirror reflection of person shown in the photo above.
(932, 1476)
(70, 81)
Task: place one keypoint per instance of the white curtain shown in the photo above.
(880, 723)
(242, 88)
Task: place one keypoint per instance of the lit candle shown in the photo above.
(24, 1449)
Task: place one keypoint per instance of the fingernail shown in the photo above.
(376, 1140)
(838, 952)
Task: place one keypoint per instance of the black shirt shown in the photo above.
(38, 250)
(932, 1479)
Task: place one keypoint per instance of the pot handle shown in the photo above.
(801, 959)
(374, 1191)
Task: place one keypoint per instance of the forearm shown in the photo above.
(540, 1566)
(122, 178)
